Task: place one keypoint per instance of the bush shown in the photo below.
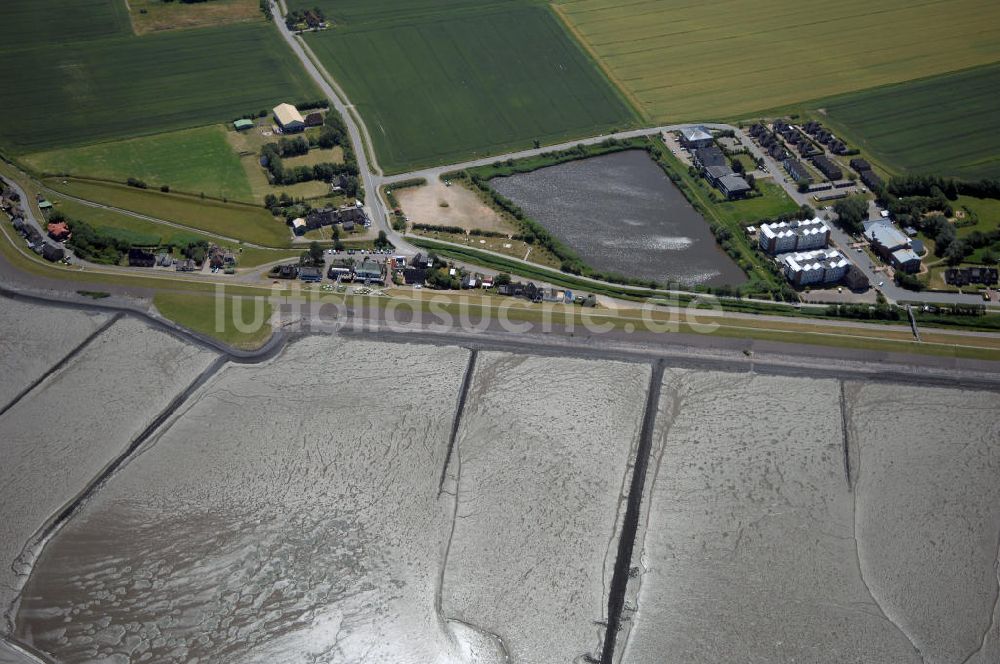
(137, 183)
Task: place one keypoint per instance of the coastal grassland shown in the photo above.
(943, 125)
(698, 61)
(192, 161)
(156, 15)
(199, 312)
(233, 220)
(144, 232)
(26, 23)
(445, 81)
(79, 93)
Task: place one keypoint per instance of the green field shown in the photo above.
(244, 222)
(682, 60)
(199, 313)
(26, 23)
(944, 125)
(58, 95)
(446, 80)
(192, 160)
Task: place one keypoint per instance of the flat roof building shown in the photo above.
(822, 266)
(289, 118)
(733, 186)
(789, 236)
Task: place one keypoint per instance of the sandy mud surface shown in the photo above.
(33, 338)
(57, 439)
(541, 457)
(928, 512)
(749, 552)
(462, 207)
(289, 514)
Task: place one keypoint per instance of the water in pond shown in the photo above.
(622, 214)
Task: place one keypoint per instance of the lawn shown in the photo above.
(243, 222)
(680, 60)
(446, 80)
(193, 161)
(200, 313)
(59, 95)
(943, 125)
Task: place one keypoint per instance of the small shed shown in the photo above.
(243, 124)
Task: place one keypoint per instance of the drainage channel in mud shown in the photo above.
(623, 563)
(470, 369)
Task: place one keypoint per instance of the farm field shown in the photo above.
(248, 223)
(698, 61)
(156, 15)
(193, 161)
(944, 125)
(27, 22)
(87, 92)
(448, 80)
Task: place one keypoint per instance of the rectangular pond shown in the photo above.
(621, 213)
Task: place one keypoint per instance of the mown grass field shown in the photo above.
(57, 95)
(156, 15)
(249, 223)
(445, 80)
(194, 161)
(679, 60)
(200, 313)
(944, 125)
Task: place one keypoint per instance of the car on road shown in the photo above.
(881, 283)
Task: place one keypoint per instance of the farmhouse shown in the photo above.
(289, 118)
(695, 137)
(822, 266)
(793, 236)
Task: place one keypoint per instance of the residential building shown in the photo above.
(822, 266)
(59, 231)
(787, 236)
(733, 186)
(414, 275)
(53, 252)
(986, 276)
(709, 156)
(310, 274)
(138, 257)
(299, 226)
(797, 170)
(369, 270)
(860, 165)
(695, 137)
(906, 260)
(289, 118)
(871, 179)
(827, 167)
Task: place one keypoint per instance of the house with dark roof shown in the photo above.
(797, 170)
(827, 167)
(310, 274)
(369, 270)
(715, 173)
(53, 252)
(871, 179)
(139, 257)
(986, 276)
(414, 275)
(733, 186)
(860, 165)
(709, 156)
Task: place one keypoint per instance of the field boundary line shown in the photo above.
(577, 36)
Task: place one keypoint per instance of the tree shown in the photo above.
(806, 212)
(502, 279)
(989, 256)
(851, 212)
(315, 254)
(382, 241)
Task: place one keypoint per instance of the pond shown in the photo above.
(621, 213)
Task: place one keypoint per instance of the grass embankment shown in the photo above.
(193, 161)
(685, 61)
(234, 220)
(441, 81)
(243, 322)
(86, 90)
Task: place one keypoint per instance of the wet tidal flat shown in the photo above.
(356, 501)
(621, 214)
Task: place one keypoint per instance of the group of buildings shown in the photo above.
(801, 248)
(892, 246)
(348, 217)
(10, 203)
(713, 163)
